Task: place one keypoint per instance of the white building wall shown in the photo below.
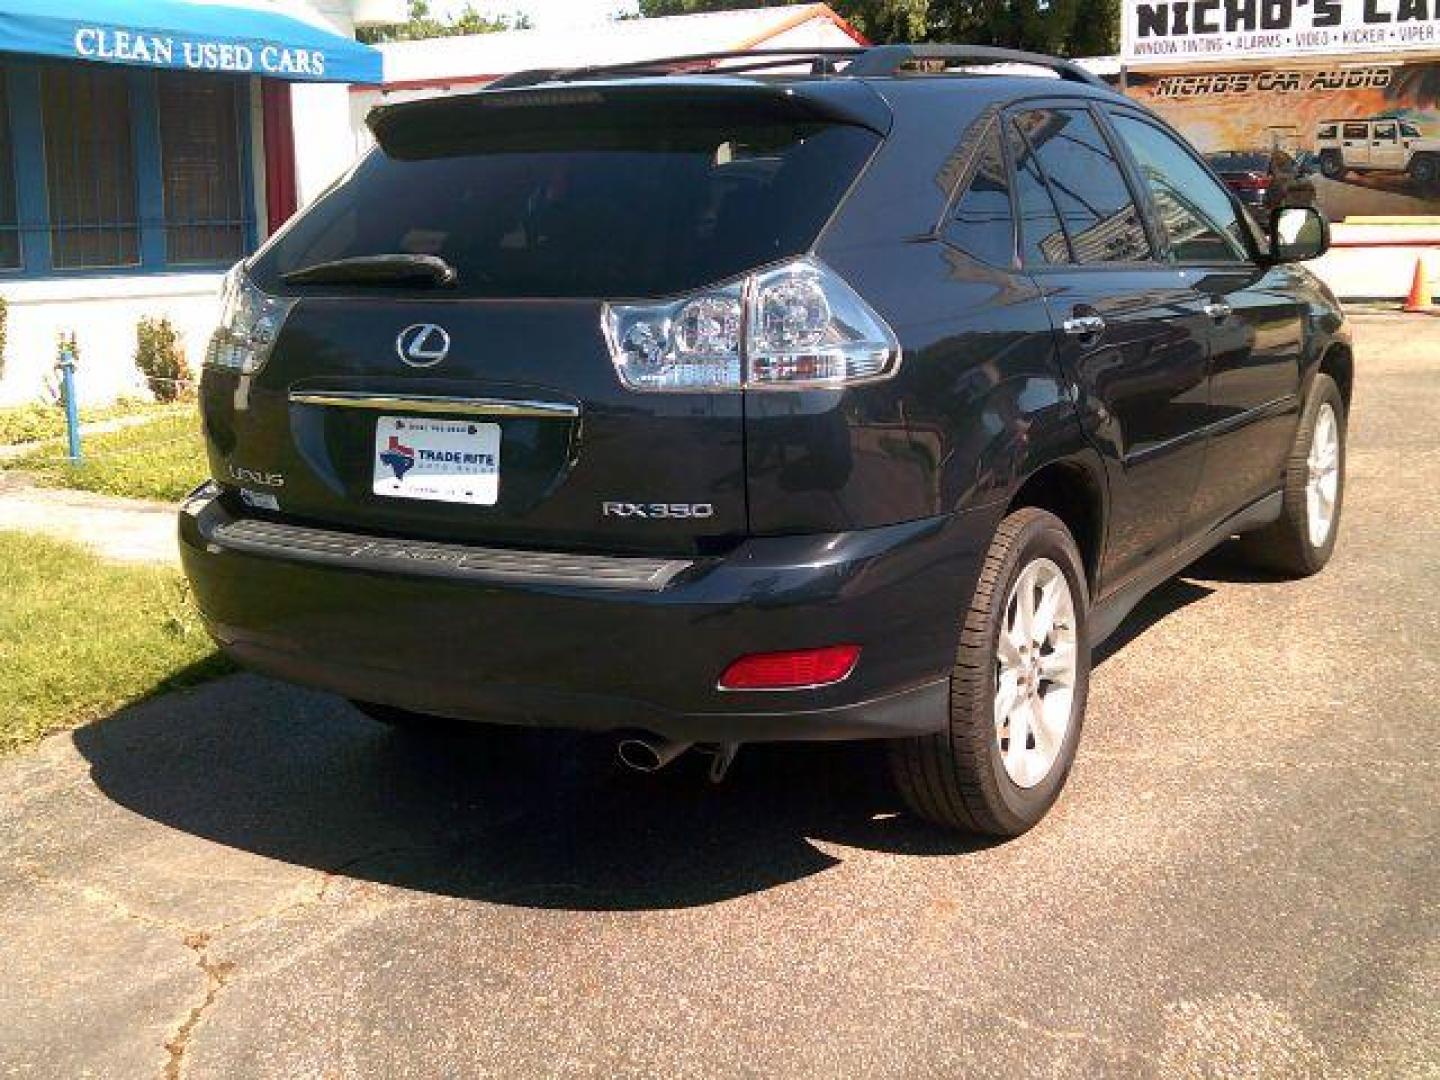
(325, 136)
(103, 310)
(102, 313)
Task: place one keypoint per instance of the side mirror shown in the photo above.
(1298, 233)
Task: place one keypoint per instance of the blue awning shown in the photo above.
(189, 35)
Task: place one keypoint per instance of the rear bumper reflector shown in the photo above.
(798, 669)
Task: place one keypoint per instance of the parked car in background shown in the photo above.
(1264, 180)
(724, 407)
(1387, 145)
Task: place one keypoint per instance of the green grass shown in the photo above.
(36, 422)
(163, 458)
(79, 637)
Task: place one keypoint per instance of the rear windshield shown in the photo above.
(585, 210)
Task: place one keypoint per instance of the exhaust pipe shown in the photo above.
(649, 755)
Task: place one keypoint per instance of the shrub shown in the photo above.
(161, 359)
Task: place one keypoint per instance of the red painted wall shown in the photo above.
(279, 127)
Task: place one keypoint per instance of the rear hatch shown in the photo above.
(384, 403)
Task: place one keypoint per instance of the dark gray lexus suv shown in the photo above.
(806, 395)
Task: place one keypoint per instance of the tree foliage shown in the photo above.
(422, 24)
(1062, 27)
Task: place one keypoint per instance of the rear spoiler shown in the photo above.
(437, 127)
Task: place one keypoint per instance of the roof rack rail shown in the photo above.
(889, 59)
(859, 60)
(821, 62)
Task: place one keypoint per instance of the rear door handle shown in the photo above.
(1217, 310)
(1083, 326)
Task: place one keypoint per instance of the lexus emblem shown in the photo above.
(423, 344)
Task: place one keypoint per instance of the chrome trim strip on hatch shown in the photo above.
(435, 403)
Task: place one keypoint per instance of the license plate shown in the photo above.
(442, 460)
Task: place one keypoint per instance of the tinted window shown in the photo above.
(983, 225)
(1327, 131)
(1356, 131)
(1195, 210)
(1410, 131)
(1042, 239)
(607, 201)
(1385, 131)
(1101, 219)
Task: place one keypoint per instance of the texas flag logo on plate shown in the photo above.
(399, 457)
(440, 460)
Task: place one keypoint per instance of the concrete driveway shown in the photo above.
(253, 880)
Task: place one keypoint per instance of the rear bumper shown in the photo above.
(641, 646)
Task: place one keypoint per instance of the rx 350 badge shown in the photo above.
(657, 511)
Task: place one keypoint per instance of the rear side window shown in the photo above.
(1042, 239)
(582, 202)
(1327, 131)
(983, 224)
(1101, 219)
(1357, 131)
(1196, 212)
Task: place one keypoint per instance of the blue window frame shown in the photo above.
(114, 170)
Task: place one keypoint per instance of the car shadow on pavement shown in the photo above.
(1169, 598)
(530, 818)
(1224, 565)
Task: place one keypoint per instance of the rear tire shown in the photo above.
(1332, 165)
(1301, 542)
(975, 776)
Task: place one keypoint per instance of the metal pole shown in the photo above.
(67, 384)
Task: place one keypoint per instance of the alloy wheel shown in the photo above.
(1322, 485)
(1035, 672)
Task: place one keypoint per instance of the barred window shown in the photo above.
(89, 167)
(202, 167)
(9, 221)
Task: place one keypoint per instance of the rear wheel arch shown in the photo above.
(1074, 492)
(1338, 361)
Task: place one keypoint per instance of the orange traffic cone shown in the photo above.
(1419, 298)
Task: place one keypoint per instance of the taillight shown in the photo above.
(250, 321)
(794, 326)
(794, 670)
(1250, 182)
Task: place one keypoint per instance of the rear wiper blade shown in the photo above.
(393, 269)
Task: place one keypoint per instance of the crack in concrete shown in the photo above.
(216, 973)
(100, 898)
(1056, 1034)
